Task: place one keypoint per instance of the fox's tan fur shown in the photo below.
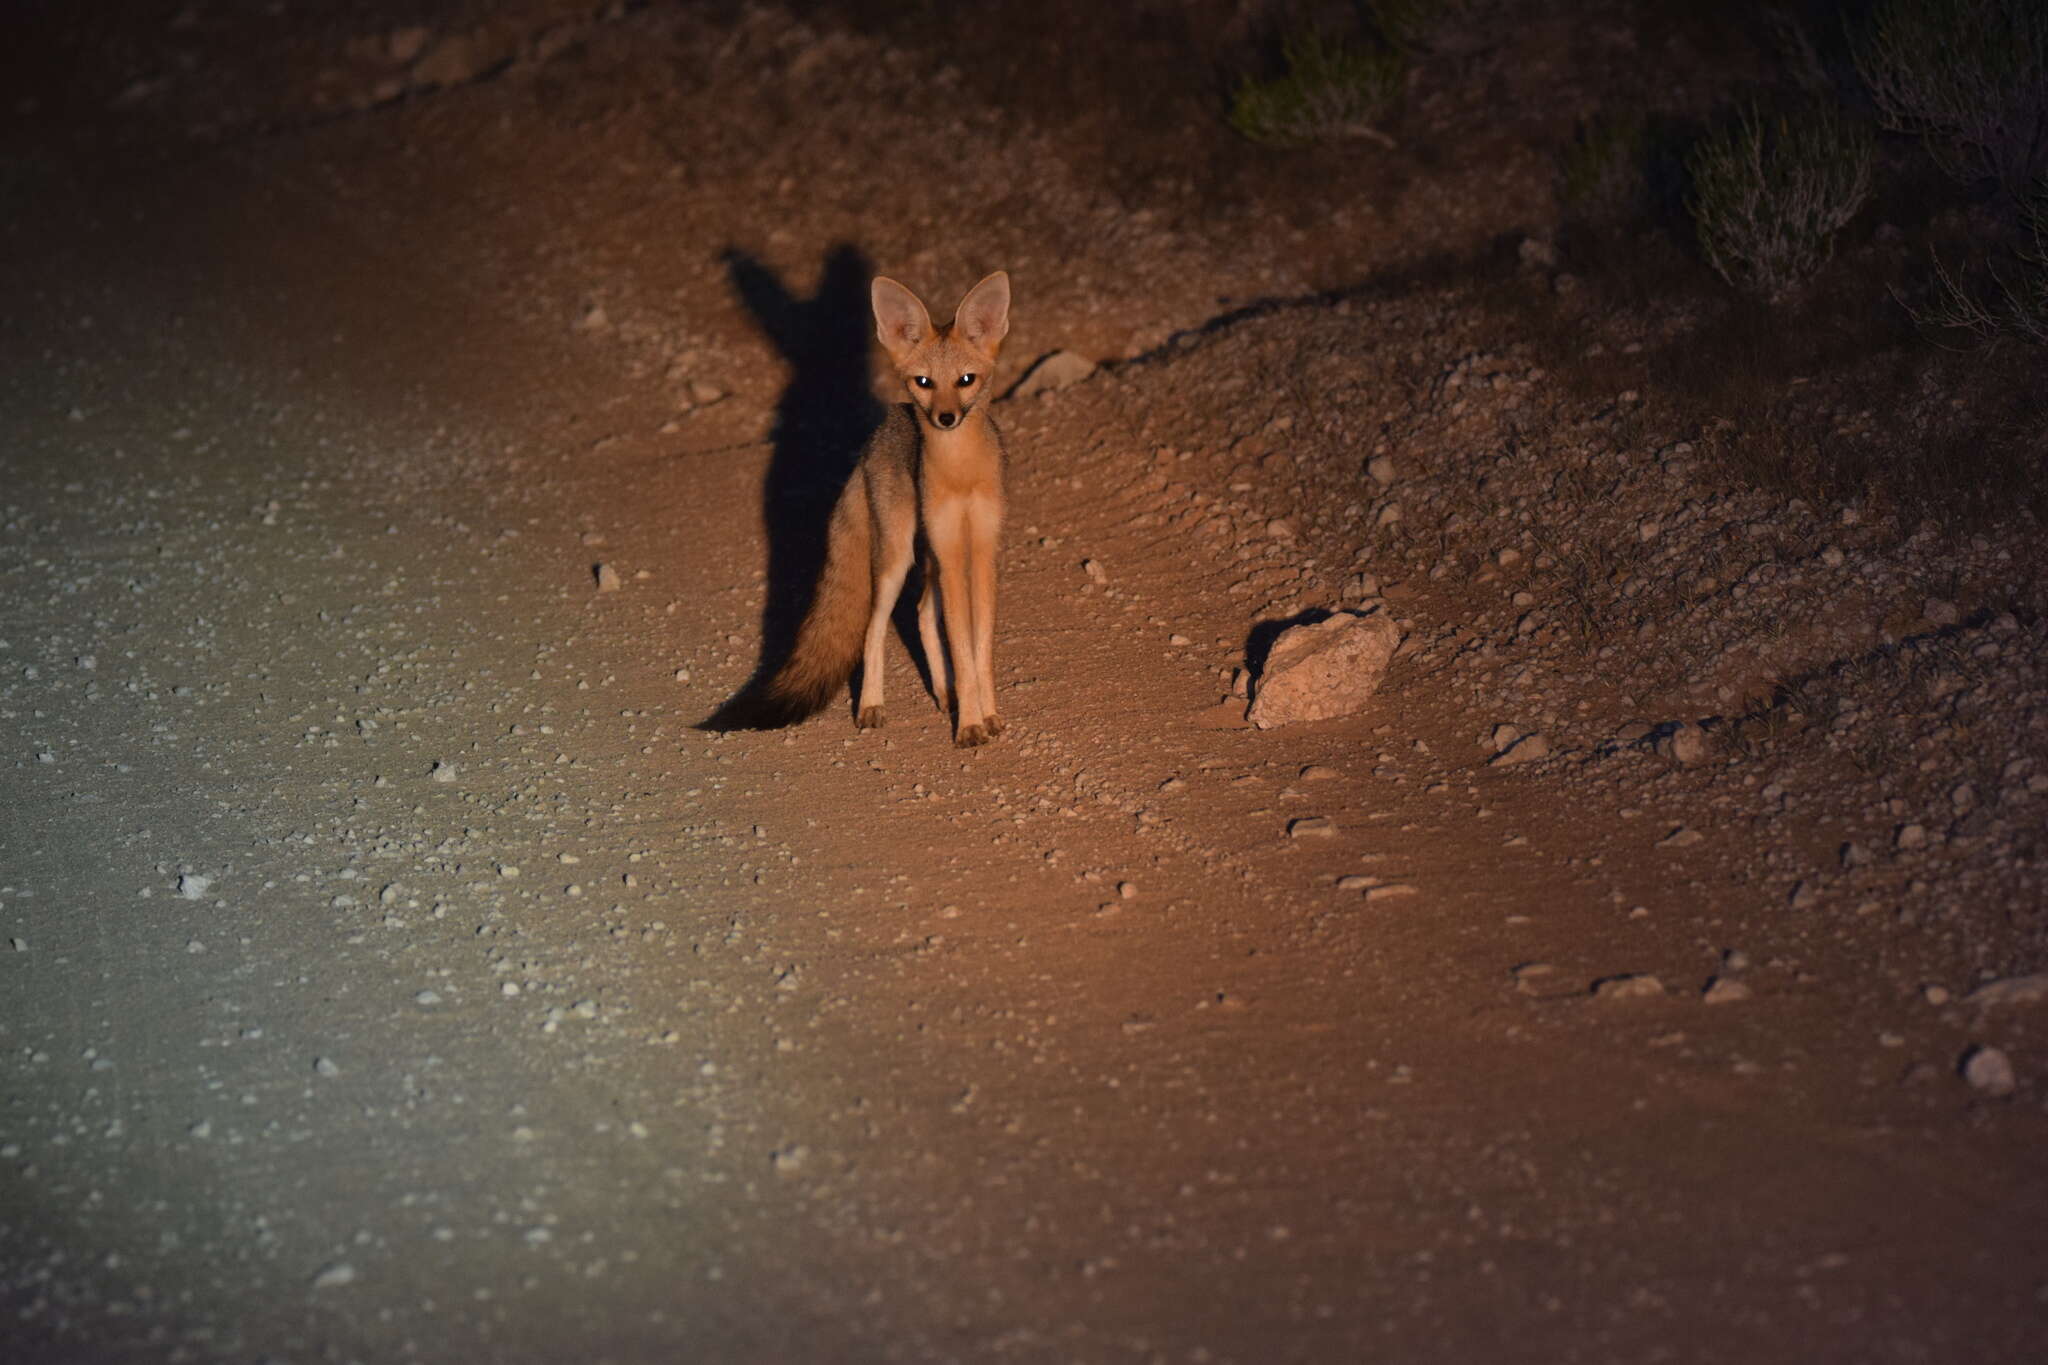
(929, 485)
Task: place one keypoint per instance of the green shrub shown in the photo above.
(1329, 91)
(1769, 195)
(1969, 75)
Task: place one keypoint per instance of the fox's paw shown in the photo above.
(869, 718)
(995, 724)
(972, 736)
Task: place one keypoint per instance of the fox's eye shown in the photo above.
(923, 381)
(966, 381)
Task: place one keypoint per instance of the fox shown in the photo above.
(928, 488)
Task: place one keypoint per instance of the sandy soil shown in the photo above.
(389, 968)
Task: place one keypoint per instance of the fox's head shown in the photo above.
(946, 369)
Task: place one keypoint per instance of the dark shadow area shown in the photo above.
(822, 420)
(1434, 271)
(1258, 642)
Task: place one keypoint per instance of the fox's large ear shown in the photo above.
(984, 315)
(900, 319)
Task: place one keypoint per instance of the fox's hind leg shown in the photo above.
(892, 554)
(928, 636)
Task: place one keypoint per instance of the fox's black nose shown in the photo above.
(945, 419)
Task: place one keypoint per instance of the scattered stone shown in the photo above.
(1685, 744)
(1312, 827)
(1724, 990)
(1989, 1071)
(1360, 586)
(1503, 737)
(1803, 896)
(1321, 671)
(1522, 751)
(1318, 772)
(1059, 370)
(1381, 468)
(442, 771)
(1629, 986)
(1940, 611)
(1536, 254)
(405, 44)
(334, 1276)
(1910, 837)
(1853, 854)
(607, 577)
(194, 887)
(1683, 837)
(1389, 892)
(456, 60)
(1356, 881)
(2013, 990)
(1096, 573)
(1389, 513)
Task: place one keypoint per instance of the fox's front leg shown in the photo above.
(948, 536)
(984, 532)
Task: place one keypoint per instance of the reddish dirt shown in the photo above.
(397, 972)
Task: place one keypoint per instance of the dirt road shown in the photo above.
(392, 971)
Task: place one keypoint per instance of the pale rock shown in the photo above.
(1059, 370)
(2012, 990)
(1633, 986)
(1523, 750)
(1989, 1071)
(455, 60)
(1687, 744)
(1324, 670)
(1724, 990)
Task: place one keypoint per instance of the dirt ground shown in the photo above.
(390, 969)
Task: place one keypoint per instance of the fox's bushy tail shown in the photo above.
(828, 644)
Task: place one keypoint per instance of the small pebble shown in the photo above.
(1989, 1071)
